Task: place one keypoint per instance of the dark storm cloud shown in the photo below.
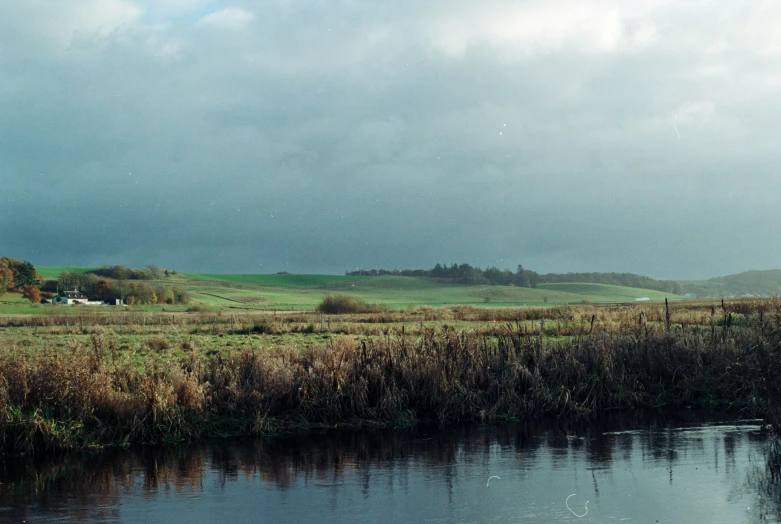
(320, 137)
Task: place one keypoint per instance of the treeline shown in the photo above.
(109, 289)
(108, 283)
(463, 274)
(129, 291)
(469, 275)
(126, 273)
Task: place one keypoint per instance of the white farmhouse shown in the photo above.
(74, 297)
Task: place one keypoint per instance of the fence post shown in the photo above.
(666, 315)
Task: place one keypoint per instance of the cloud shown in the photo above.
(53, 27)
(522, 30)
(228, 18)
(325, 136)
(176, 7)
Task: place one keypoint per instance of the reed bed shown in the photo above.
(90, 392)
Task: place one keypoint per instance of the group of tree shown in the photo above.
(463, 274)
(125, 273)
(469, 275)
(128, 291)
(107, 283)
(19, 276)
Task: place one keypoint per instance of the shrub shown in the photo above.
(340, 305)
(196, 308)
(157, 344)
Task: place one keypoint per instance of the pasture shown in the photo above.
(91, 377)
(297, 292)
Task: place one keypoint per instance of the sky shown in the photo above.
(325, 136)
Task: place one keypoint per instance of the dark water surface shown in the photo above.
(662, 469)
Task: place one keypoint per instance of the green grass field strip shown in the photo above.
(221, 297)
(608, 290)
(54, 271)
(296, 281)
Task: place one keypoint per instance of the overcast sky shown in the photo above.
(323, 136)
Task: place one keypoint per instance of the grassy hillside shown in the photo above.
(296, 292)
(306, 291)
(54, 272)
(609, 293)
(284, 280)
(761, 283)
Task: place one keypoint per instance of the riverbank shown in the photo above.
(91, 391)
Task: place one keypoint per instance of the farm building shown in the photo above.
(74, 297)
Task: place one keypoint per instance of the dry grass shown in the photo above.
(510, 364)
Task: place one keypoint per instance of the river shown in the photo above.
(660, 468)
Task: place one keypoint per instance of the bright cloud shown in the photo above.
(228, 18)
(57, 24)
(541, 27)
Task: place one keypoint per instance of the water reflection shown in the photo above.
(639, 468)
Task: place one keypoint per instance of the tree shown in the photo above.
(71, 280)
(154, 271)
(165, 295)
(103, 289)
(32, 293)
(26, 275)
(6, 279)
(182, 297)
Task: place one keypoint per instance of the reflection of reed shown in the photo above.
(332, 458)
(764, 478)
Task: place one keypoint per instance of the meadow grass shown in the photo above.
(301, 292)
(115, 377)
(281, 280)
(283, 292)
(54, 272)
(608, 292)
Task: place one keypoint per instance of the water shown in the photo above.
(629, 470)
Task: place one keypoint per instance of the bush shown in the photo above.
(196, 308)
(157, 344)
(340, 305)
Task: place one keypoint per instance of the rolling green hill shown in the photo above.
(761, 283)
(608, 292)
(306, 291)
(284, 280)
(54, 272)
(286, 291)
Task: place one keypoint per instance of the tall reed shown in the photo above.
(93, 394)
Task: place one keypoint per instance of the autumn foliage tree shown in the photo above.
(15, 275)
(6, 280)
(32, 293)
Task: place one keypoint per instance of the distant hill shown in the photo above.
(756, 283)
(614, 279)
(475, 276)
(306, 291)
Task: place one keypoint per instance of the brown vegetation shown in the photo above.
(341, 305)
(389, 369)
(32, 293)
(15, 275)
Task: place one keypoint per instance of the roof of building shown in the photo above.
(73, 295)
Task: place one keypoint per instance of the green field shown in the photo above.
(284, 280)
(305, 292)
(765, 283)
(609, 293)
(54, 272)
